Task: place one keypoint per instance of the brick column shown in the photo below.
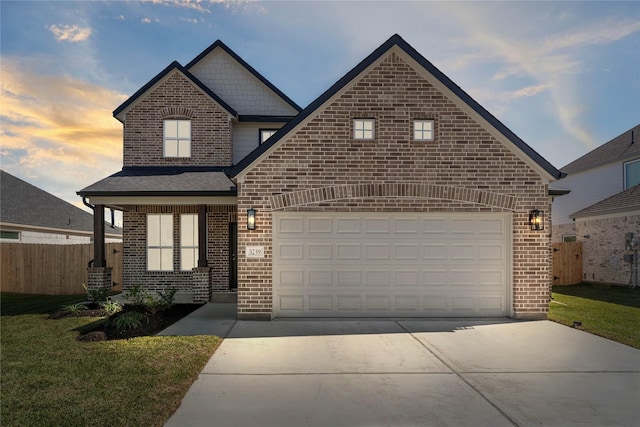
(200, 280)
(99, 278)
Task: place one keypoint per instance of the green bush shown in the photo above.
(74, 308)
(137, 295)
(97, 295)
(129, 320)
(111, 307)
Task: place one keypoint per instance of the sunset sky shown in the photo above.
(564, 76)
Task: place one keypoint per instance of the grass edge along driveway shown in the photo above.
(606, 310)
(48, 378)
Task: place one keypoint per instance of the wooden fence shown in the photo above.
(52, 269)
(567, 263)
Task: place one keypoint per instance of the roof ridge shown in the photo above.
(397, 40)
(247, 66)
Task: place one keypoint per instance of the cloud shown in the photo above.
(58, 129)
(202, 6)
(70, 33)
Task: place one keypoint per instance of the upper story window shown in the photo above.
(631, 173)
(266, 134)
(177, 138)
(423, 130)
(364, 129)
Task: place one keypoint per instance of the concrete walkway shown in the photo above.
(493, 372)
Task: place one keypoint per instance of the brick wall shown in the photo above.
(463, 156)
(135, 250)
(603, 250)
(177, 97)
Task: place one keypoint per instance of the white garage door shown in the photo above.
(391, 265)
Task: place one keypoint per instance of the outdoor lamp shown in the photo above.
(251, 219)
(536, 220)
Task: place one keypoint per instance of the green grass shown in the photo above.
(50, 379)
(612, 312)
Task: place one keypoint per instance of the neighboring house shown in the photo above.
(392, 194)
(31, 215)
(601, 207)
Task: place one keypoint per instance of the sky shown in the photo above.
(564, 76)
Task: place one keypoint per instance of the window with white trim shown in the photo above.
(160, 242)
(266, 134)
(631, 173)
(188, 241)
(363, 128)
(177, 138)
(423, 130)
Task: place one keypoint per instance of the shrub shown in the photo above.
(137, 295)
(129, 320)
(98, 296)
(111, 307)
(74, 308)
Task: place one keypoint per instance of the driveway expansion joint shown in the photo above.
(460, 376)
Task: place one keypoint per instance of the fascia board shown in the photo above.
(161, 200)
(547, 177)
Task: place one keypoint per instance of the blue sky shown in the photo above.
(564, 76)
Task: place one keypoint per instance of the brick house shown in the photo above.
(392, 194)
(601, 207)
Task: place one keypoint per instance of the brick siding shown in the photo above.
(135, 251)
(464, 160)
(176, 96)
(603, 250)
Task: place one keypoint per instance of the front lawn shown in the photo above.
(49, 378)
(609, 311)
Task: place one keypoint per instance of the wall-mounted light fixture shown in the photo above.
(251, 219)
(536, 220)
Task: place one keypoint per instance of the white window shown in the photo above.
(363, 128)
(266, 134)
(188, 241)
(177, 138)
(160, 242)
(423, 130)
(631, 174)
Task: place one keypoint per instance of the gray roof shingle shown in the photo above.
(24, 204)
(163, 181)
(620, 148)
(625, 201)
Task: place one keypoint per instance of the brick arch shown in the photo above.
(175, 112)
(403, 190)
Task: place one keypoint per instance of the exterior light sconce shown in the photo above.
(536, 220)
(251, 219)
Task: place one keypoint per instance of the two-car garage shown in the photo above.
(334, 264)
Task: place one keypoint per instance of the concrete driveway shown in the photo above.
(414, 373)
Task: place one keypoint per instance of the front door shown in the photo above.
(233, 255)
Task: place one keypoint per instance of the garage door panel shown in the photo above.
(349, 264)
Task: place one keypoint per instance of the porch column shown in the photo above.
(202, 236)
(99, 259)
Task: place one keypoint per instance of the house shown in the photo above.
(31, 215)
(392, 194)
(602, 207)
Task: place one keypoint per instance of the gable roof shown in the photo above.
(171, 67)
(398, 41)
(25, 204)
(620, 148)
(625, 201)
(219, 44)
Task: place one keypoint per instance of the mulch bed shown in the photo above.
(104, 329)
